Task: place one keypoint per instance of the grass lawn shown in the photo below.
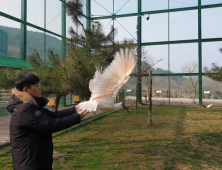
(181, 138)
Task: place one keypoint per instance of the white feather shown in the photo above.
(105, 85)
(209, 106)
(93, 81)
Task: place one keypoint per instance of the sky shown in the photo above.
(183, 25)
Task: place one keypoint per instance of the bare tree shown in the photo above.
(144, 66)
(144, 71)
(150, 99)
(191, 67)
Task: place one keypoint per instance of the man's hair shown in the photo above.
(26, 80)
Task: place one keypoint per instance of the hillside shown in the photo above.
(35, 41)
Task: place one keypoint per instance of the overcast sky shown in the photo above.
(183, 25)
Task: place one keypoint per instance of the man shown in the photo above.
(31, 125)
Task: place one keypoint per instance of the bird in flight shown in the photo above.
(106, 84)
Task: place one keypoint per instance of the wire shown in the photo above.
(126, 30)
(107, 25)
(102, 6)
(136, 40)
(31, 37)
(171, 68)
(203, 24)
(87, 8)
(126, 24)
(195, 17)
(122, 6)
(46, 25)
(53, 19)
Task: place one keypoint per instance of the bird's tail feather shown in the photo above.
(88, 105)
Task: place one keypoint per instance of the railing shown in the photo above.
(5, 96)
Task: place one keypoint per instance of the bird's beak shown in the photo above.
(126, 109)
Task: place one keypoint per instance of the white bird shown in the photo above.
(106, 85)
(208, 106)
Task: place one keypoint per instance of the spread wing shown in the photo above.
(92, 82)
(114, 76)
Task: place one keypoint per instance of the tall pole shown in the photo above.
(63, 98)
(113, 20)
(169, 51)
(64, 28)
(88, 20)
(139, 52)
(88, 14)
(200, 52)
(23, 33)
(44, 31)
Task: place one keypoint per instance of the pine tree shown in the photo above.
(53, 80)
(215, 72)
(63, 76)
(93, 48)
(9, 75)
(90, 49)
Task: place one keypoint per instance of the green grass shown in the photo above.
(181, 138)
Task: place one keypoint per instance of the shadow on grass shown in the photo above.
(193, 150)
(182, 151)
(83, 123)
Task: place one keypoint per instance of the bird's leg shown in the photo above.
(126, 109)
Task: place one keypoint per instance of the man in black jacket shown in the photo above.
(31, 125)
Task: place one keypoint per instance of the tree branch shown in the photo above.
(77, 55)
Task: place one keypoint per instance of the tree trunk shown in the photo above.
(136, 96)
(57, 103)
(194, 96)
(150, 99)
(147, 89)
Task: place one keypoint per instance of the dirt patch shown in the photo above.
(148, 126)
(157, 164)
(57, 154)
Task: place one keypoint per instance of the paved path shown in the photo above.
(4, 129)
(4, 126)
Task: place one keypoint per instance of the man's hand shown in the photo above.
(82, 113)
(78, 109)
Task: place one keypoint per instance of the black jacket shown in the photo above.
(31, 129)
